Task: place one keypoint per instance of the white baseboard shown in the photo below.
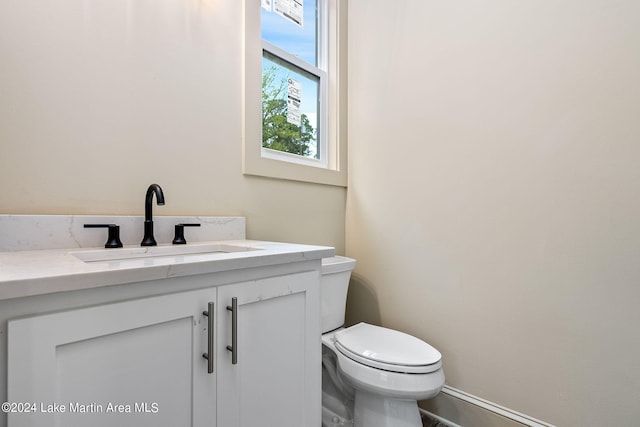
(468, 404)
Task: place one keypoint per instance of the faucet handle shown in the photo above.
(113, 240)
(179, 236)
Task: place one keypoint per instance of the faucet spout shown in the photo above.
(148, 201)
(148, 239)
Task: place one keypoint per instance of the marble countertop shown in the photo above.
(38, 272)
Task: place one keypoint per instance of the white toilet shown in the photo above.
(371, 376)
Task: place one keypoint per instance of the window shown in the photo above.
(298, 134)
(293, 80)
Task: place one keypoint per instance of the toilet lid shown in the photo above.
(387, 349)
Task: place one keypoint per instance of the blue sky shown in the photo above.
(289, 36)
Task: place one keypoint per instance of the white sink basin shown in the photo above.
(145, 252)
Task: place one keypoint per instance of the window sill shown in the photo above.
(255, 164)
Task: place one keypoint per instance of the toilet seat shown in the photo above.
(387, 349)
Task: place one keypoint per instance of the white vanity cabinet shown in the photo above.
(140, 362)
(144, 354)
(276, 380)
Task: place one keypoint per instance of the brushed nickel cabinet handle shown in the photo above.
(209, 354)
(233, 348)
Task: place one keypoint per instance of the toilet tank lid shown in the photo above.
(387, 346)
(337, 264)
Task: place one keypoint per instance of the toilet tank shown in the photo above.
(334, 284)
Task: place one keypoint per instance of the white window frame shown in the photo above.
(321, 74)
(331, 168)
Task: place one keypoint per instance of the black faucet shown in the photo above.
(148, 239)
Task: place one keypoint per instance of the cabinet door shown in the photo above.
(134, 363)
(277, 378)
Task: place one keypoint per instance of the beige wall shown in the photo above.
(494, 203)
(494, 195)
(99, 99)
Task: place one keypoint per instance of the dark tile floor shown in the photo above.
(428, 422)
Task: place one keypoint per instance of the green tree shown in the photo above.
(277, 132)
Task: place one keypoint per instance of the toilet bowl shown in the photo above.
(372, 376)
